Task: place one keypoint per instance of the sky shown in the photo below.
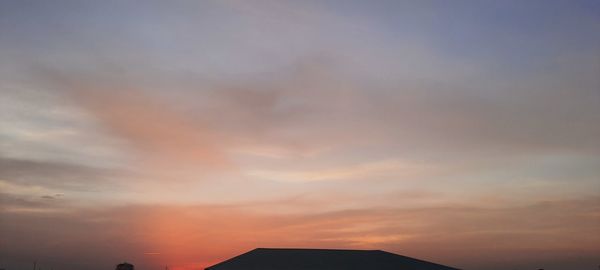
(183, 133)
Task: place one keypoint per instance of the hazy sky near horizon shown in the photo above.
(182, 133)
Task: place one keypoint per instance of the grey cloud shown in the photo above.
(315, 104)
(425, 101)
(17, 201)
(57, 175)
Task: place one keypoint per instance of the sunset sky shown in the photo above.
(183, 133)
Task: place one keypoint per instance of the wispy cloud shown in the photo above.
(368, 170)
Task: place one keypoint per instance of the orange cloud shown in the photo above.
(158, 131)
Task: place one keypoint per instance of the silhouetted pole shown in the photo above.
(34, 265)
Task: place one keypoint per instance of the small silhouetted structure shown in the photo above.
(124, 266)
(323, 259)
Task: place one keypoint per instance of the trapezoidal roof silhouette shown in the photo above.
(323, 259)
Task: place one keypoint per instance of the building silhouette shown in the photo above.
(124, 266)
(323, 259)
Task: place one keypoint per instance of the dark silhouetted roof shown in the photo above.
(323, 259)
